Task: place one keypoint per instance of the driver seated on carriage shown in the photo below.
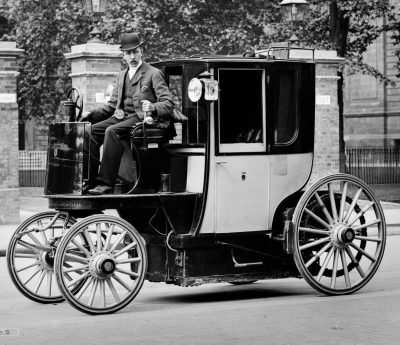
(141, 94)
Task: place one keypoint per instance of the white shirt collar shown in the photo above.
(132, 70)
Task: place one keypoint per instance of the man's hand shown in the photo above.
(148, 106)
(86, 117)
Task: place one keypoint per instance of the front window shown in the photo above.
(241, 109)
(285, 107)
(194, 131)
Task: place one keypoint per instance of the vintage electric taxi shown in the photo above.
(229, 199)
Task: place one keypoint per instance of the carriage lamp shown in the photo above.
(293, 12)
(97, 7)
(204, 86)
(195, 89)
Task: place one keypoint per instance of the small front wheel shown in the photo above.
(339, 234)
(30, 255)
(109, 255)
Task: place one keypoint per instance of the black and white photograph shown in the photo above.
(199, 172)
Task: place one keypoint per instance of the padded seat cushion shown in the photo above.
(150, 132)
(156, 132)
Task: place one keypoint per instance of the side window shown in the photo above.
(241, 109)
(174, 79)
(285, 107)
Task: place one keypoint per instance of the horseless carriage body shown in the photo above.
(239, 206)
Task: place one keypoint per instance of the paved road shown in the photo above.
(267, 312)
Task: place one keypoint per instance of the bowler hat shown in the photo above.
(130, 41)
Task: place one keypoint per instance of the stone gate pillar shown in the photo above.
(9, 178)
(94, 66)
(326, 147)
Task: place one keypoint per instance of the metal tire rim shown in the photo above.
(32, 269)
(113, 264)
(339, 241)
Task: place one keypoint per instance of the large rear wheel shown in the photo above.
(339, 234)
(113, 264)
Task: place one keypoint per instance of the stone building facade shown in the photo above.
(372, 108)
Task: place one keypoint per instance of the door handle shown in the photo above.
(221, 162)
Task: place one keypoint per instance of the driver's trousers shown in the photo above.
(110, 133)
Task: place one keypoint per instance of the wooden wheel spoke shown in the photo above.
(103, 293)
(345, 269)
(317, 255)
(335, 267)
(352, 205)
(113, 291)
(125, 249)
(44, 238)
(318, 219)
(126, 261)
(49, 282)
(355, 262)
(36, 263)
(372, 239)
(89, 240)
(333, 202)
(129, 273)
(314, 243)
(81, 248)
(29, 246)
(34, 239)
(26, 255)
(324, 209)
(366, 225)
(325, 264)
(314, 231)
(77, 269)
(361, 213)
(84, 288)
(118, 240)
(41, 277)
(75, 258)
(343, 202)
(363, 252)
(98, 231)
(93, 292)
(32, 275)
(109, 235)
(119, 280)
(78, 279)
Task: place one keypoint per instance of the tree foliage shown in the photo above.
(46, 29)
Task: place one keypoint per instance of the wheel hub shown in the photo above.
(47, 260)
(102, 264)
(342, 234)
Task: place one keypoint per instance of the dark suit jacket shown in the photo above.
(148, 84)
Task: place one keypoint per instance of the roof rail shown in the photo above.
(286, 53)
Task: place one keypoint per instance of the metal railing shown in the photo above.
(375, 165)
(32, 168)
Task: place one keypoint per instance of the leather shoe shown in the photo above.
(86, 187)
(101, 189)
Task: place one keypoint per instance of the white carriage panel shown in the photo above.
(195, 174)
(288, 173)
(241, 193)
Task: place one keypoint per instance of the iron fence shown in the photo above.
(375, 165)
(32, 168)
(379, 167)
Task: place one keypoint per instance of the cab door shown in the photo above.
(241, 161)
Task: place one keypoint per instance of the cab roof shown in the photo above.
(271, 54)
